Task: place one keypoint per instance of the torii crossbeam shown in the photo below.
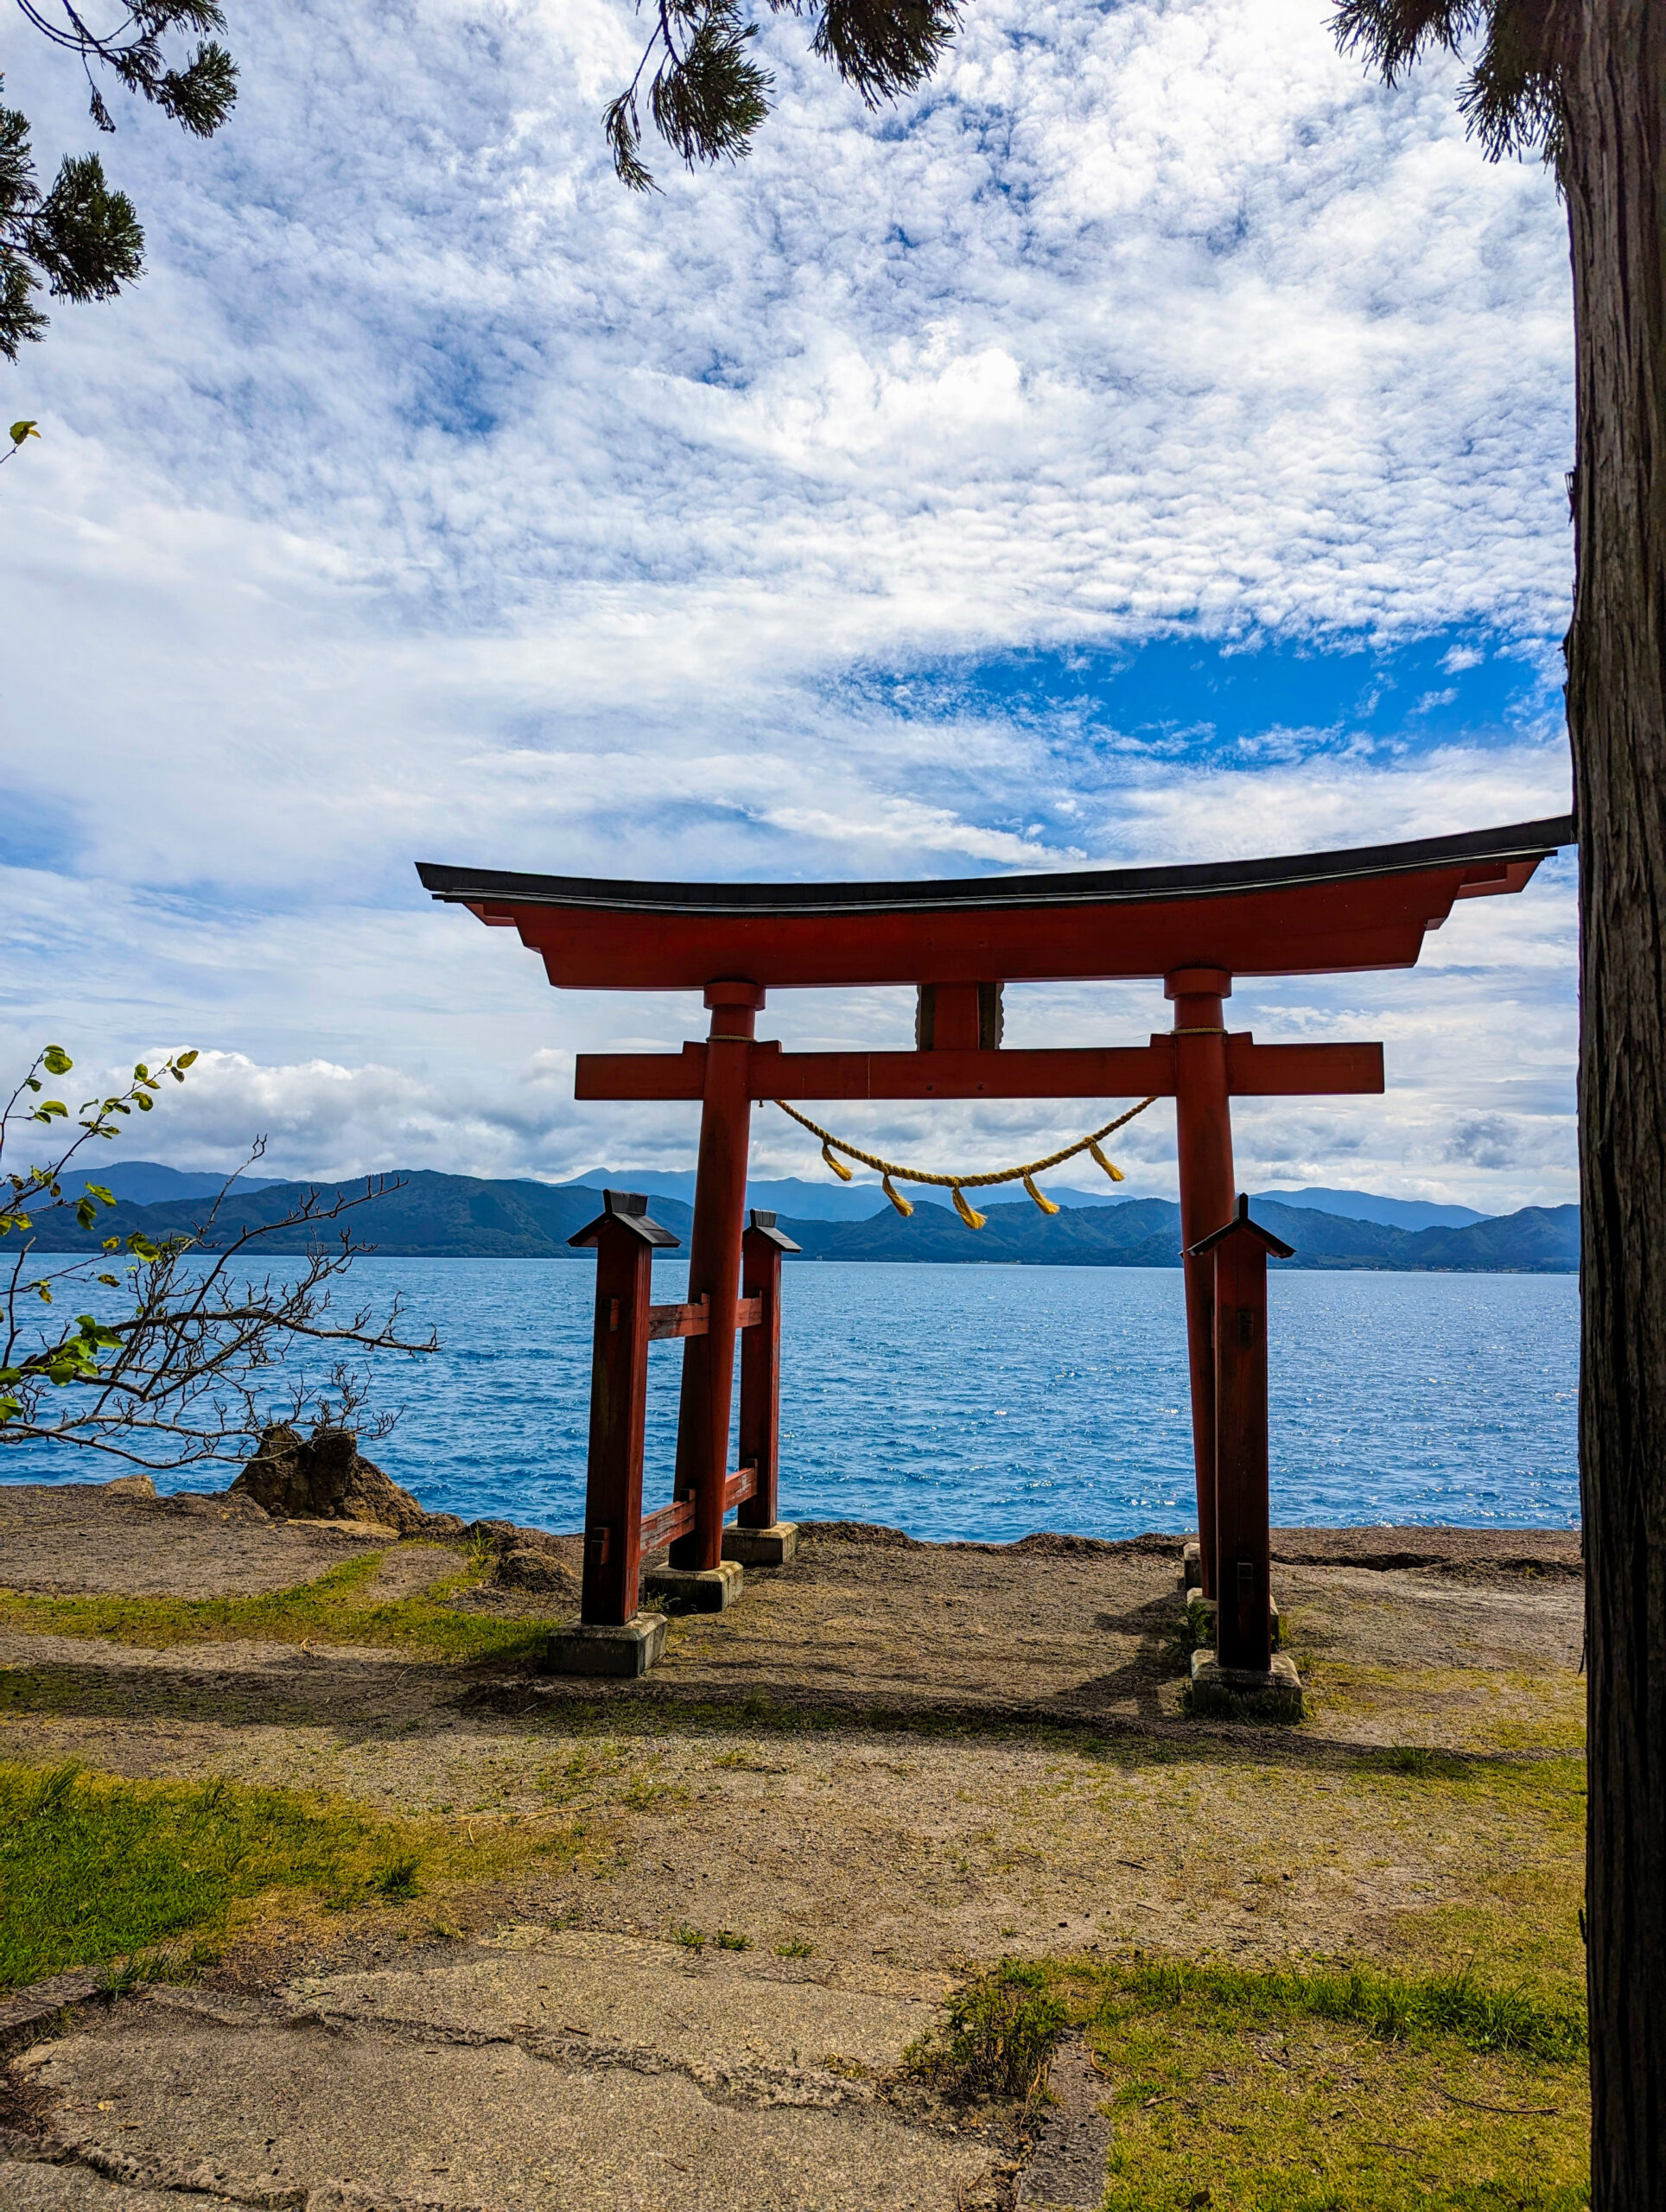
(1195, 928)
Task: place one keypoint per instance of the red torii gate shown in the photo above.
(1195, 927)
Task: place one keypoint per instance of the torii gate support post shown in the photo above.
(1243, 1661)
(612, 1636)
(1203, 1117)
(720, 1200)
(760, 1537)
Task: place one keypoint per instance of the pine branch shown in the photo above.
(1510, 98)
(82, 237)
(708, 98)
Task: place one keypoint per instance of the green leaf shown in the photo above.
(186, 1060)
(143, 1100)
(85, 1213)
(19, 432)
(57, 1061)
(97, 1191)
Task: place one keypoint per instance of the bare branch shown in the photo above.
(186, 1372)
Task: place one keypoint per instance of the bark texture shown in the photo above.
(1613, 58)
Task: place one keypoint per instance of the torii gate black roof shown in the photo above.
(1365, 907)
(1519, 840)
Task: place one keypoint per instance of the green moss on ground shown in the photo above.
(1477, 1708)
(1514, 1896)
(1337, 2092)
(1294, 2090)
(338, 1608)
(94, 1869)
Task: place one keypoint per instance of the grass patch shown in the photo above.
(1314, 2092)
(1394, 2007)
(1293, 2091)
(646, 1795)
(581, 1778)
(333, 1609)
(1422, 1764)
(95, 1868)
(1477, 1709)
(1512, 1899)
(797, 1948)
(998, 2032)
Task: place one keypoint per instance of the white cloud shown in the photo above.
(433, 497)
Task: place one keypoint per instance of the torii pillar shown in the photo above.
(720, 1207)
(1203, 1119)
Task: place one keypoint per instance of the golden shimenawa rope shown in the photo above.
(955, 1184)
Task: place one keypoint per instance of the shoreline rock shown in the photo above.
(325, 1478)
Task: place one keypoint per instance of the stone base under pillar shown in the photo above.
(774, 1545)
(1244, 1693)
(606, 1648)
(1190, 1566)
(697, 1589)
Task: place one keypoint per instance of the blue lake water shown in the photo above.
(987, 1401)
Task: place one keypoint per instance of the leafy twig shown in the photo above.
(185, 1375)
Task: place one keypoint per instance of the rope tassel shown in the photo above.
(1109, 1166)
(837, 1165)
(1040, 1196)
(903, 1206)
(969, 1215)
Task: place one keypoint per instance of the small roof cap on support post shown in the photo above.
(1241, 1223)
(629, 1209)
(764, 1222)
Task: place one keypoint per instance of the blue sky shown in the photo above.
(1147, 444)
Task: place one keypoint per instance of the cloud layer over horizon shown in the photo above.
(1147, 444)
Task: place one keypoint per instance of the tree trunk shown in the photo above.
(1614, 82)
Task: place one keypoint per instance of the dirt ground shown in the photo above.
(889, 1762)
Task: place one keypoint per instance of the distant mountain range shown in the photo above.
(148, 1183)
(1364, 1205)
(1146, 1233)
(422, 1214)
(827, 1200)
(430, 1216)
